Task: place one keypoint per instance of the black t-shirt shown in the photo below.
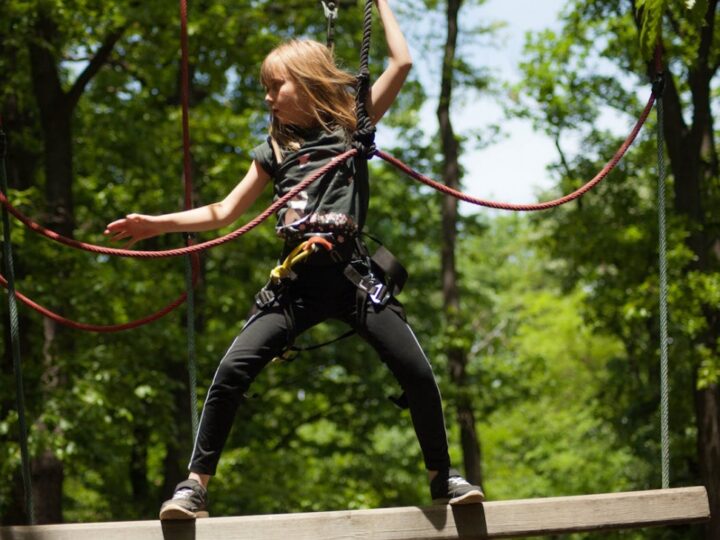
(335, 203)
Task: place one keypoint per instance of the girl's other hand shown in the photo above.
(136, 227)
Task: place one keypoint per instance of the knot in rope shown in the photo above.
(658, 84)
(364, 142)
(364, 135)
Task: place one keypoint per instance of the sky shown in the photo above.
(513, 169)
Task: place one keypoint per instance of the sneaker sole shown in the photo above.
(174, 512)
(471, 497)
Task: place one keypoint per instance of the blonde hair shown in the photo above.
(322, 85)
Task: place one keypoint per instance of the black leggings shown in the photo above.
(321, 293)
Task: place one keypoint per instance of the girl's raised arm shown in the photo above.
(387, 86)
(136, 227)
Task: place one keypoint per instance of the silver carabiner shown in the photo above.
(330, 9)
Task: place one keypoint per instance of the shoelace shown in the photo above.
(457, 481)
(184, 493)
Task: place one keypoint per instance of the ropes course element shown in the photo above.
(187, 177)
(363, 146)
(110, 328)
(195, 248)
(331, 12)
(364, 135)
(663, 294)
(15, 340)
(528, 207)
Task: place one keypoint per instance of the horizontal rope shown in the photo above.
(112, 327)
(104, 250)
(527, 207)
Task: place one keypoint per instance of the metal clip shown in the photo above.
(264, 298)
(379, 294)
(377, 291)
(330, 9)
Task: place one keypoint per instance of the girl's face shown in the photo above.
(285, 101)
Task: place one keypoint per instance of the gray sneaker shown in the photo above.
(188, 502)
(448, 487)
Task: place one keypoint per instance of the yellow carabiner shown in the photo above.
(301, 252)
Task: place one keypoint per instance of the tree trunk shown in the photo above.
(47, 481)
(457, 356)
(707, 406)
(56, 108)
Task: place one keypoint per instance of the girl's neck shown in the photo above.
(301, 130)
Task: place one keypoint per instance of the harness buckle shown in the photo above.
(376, 291)
(265, 298)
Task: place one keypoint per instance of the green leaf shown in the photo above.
(652, 12)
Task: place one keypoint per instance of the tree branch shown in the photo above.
(97, 61)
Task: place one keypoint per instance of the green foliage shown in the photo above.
(650, 34)
(652, 13)
(606, 243)
(558, 310)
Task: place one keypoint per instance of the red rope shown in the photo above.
(528, 207)
(112, 327)
(270, 210)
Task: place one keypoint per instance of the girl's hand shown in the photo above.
(136, 227)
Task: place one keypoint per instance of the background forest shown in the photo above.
(542, 329)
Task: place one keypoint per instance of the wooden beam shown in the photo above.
(502, 519)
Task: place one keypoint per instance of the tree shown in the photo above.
(607, 240)
(457, 351)
(114, 410)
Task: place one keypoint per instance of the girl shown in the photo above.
(312, 119)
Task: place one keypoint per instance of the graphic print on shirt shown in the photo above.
(335, 203)
(295, 213)
(303, 160)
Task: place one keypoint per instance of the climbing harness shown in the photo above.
(283, 273)
(300, 253)
(377, 278)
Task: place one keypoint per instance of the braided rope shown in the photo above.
(364, 135)
(662, 253)
(187, 181)
(110, 328)
(93, 248)
(15, 341)
(658, 85)
(527, 207)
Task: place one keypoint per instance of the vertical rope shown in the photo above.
(187, 174)
(662, 253)
(15, 339)
(364, 135)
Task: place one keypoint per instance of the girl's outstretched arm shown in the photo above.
(387, 86)
(136, 227)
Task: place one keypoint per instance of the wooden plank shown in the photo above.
(502, 519)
